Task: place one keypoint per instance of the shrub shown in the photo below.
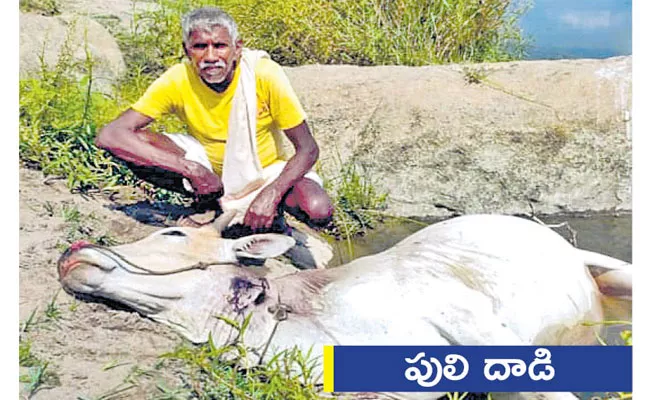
(58, 120)
(362, 32)
(43, 7)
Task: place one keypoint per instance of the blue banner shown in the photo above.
(478, 368)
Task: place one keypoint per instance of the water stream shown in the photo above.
(605, 233)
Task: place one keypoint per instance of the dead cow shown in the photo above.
(471, 280)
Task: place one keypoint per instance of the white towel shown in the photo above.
(242, 170)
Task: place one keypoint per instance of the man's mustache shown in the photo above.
(206, 64)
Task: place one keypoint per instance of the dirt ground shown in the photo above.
(92, 349)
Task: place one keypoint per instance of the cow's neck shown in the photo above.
(288, 301)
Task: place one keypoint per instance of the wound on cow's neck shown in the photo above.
(247, 291)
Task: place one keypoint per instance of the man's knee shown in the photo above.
(312, 201)
(319, 208)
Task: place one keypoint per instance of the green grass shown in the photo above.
(51, 313)
(52, 310)
(37, 375)
(44, 7)
(358, 204)
(80, 226)
(31, 321)
(122, 390)
(215, 372)
(362, 32)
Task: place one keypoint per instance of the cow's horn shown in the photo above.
(223, 220)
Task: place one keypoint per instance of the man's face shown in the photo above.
(213, 55)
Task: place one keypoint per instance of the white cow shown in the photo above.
(471, 280)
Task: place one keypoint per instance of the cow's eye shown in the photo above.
(174, 233)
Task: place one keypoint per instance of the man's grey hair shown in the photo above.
(207, 18)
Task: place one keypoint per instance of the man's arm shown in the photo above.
(263, 209)
(126, 138)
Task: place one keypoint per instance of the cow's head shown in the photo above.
(161, 266)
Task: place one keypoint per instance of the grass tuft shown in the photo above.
(43, 7)
(52, 310)
(217, 372)
(37, 375)
(356, 200)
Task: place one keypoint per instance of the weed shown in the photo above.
(79, 228)
(25, 356)
(171, 393)
(105, 240)
(356, 200)
(74, 305)
(214, 372)
(52, 310)
(367, 32)
(474, 75)
(113, 364)
(30, 322)
(44, 7)
(49, 208)
(131, 381)
(71, 214)
(37, 376)
(559, 132)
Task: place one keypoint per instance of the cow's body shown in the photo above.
(472, 280)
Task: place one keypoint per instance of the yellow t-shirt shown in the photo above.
(181, 91)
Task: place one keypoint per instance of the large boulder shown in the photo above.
(50, 37)
(554, 135)
(112, 13)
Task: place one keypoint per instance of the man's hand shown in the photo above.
(203, 180)
(263, 209)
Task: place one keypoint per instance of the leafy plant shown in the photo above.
(375, 32)
(37, 375)
(52, 310)
(216, 372)
(31, 321)
(44, 7)
(25, 356)
(474, 75)
(356, 200)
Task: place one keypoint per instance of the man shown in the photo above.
(208, 93)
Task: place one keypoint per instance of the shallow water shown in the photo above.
(605, 233)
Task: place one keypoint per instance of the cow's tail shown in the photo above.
(613, 276)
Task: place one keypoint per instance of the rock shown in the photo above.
(47, 36)
(111, 13)
(478, 138)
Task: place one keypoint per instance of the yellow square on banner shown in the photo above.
(328, 369)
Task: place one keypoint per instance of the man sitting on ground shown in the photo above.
(236, 103)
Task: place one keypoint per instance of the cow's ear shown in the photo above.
(262, 246)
